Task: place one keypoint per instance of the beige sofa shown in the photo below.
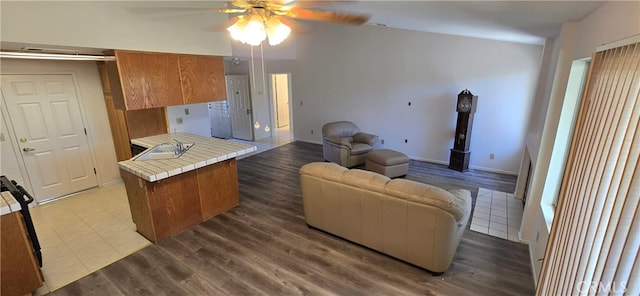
(415, 222)
(344, 144)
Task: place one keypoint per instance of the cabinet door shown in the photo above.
(221, 195)
(202, 79)
(149, 80)
(119, 132)
(18, 266)
(147, 122)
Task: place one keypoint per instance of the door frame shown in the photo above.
(252, 114)
(273, 106)
(12, 135)
(11, 138)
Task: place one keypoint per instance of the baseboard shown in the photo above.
(113, 182)
(499, 171)
(307, 141)
(437, 161)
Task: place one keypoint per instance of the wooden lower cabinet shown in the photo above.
(218, 188)
(19, 270)
(163, 208)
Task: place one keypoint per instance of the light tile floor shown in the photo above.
(497, 214)
(82, 233)
(281, 136)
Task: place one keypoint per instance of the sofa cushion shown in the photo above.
(360, 148)
(338, 141)
(341, 129)
(366, 180)
(365, 138)
(428, 195)
(464, 196)
(326, 170)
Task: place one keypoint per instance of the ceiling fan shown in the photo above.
(262, 19)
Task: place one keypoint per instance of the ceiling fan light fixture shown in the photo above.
(237, 29)
(276, 31)
(254, 31)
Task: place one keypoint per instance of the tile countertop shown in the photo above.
(8, 204)
(205, 151)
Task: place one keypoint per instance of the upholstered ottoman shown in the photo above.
(388, 162)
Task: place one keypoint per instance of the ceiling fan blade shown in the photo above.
(296, 27)
(287, 5)
(327, 16)
(231, 10)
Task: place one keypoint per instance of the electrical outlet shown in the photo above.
(186, 111)
(491, 156)
(382, 141)
(179, 120)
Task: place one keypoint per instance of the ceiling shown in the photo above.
(515, 21)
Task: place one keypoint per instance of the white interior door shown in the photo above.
(281, 93)
(239, 107)
(50, 134)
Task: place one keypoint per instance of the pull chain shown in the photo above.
(263, 71)
(253, 70)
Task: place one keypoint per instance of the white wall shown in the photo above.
(259, 89)
(368, 75)
(134, 25)
(196, 122)
(615, 20)
(91, 102)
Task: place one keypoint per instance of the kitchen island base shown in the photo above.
(165, 207)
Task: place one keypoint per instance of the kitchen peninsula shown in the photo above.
(167, 196)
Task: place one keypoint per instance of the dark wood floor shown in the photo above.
(263, 247)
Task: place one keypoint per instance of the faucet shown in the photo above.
(179, 147)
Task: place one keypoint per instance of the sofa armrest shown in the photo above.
(365, 138)
(338, 141)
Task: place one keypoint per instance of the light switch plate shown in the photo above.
(186, 111)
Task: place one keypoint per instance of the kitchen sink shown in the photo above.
(163, 151)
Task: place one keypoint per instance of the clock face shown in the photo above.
(464, 104)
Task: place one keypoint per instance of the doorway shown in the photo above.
(239, 107)
(50, 134)
(281, 107)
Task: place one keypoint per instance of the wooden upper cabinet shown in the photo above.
(202, 79)
(146, 80)
(143, 80)
(104, 78)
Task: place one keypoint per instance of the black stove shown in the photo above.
(24, 199)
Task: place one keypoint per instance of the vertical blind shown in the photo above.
(595, 236)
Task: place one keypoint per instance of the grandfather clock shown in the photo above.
(460, 154)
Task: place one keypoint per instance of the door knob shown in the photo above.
(26, 149)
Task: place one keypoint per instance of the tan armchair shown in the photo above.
(344, 144)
